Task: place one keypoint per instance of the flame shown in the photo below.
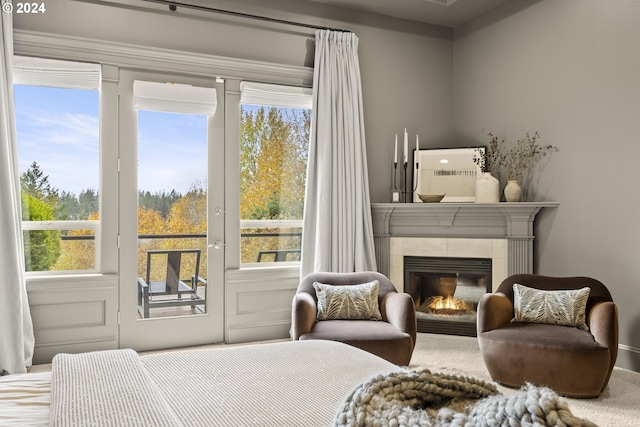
(448, 303)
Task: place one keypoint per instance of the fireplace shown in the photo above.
(501, 232)
(446, 291)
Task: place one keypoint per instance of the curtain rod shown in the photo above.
(173, 6)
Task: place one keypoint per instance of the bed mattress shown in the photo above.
(281, 384)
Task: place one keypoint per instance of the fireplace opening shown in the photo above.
(446, 291)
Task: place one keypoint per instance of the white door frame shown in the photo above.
(167, 332)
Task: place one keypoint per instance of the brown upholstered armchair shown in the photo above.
(569, 360)
(392, 338)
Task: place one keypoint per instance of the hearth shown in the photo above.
(446, 291)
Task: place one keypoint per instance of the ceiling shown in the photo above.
(448, 13)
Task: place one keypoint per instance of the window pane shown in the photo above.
(60, 250)
(172, 200)
(58, 160)
(273, 165)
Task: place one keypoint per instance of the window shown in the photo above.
(274, 143)
(57, 123)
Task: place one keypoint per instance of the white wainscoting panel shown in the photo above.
(73, 313)
(258, 303)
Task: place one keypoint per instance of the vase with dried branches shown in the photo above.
(515, 164)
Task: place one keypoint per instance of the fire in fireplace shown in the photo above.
(446, 291)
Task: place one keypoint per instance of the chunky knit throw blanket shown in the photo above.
(422, 398)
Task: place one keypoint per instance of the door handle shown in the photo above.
(217, 245)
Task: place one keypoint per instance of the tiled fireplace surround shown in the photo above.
(495, 249)
(500, 231)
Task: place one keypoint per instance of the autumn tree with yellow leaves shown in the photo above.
(273, 163)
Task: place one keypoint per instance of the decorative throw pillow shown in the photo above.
(354, 302)
(565, 308)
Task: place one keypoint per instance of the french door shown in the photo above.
(171, 203)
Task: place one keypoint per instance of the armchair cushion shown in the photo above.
(557, 307)
(354, 302)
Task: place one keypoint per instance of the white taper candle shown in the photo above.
(406, 145)
(395, 152)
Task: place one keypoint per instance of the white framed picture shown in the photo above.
(449, 171)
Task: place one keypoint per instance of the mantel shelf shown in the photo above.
(510, 221)
(473, 220)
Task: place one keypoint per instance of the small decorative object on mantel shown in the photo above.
(405, 192)
(517, 162)
(522, 158)
(431, 198)
(512, 191)
(487, 189)
(490, 161)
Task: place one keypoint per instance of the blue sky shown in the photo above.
(58, 128)
(172, 151)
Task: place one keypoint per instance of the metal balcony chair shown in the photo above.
(163, 286)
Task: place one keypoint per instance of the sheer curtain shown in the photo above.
(16, 328)
(337, 233)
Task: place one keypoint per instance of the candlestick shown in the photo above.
(403, 191)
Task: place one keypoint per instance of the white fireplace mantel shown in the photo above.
(509, 222)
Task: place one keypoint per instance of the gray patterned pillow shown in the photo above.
(354, 302)
(565, 308)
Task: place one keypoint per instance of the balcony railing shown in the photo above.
(262, 241)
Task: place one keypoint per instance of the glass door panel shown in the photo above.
(172, 213)
(171, 283)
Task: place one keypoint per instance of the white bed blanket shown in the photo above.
(106, 388)
(300, 383)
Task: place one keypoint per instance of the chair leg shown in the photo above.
(145, 303)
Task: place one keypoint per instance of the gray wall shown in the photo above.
(568, 69)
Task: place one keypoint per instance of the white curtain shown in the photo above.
(337, 232)
(16, 328)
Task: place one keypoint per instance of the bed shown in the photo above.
(279, 384)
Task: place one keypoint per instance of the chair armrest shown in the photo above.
(494, 310)
(603, 324)
(303, 314)
(399, 309)
(143, 291)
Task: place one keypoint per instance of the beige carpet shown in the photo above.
(618, 406)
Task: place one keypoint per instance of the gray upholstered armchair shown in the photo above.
(572, 361)
(392, 338)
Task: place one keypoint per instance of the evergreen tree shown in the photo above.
(88, 202)
(68, 206)
(161, 202)
(36, 183)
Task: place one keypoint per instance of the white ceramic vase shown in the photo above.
(487, 189)
(512, 191)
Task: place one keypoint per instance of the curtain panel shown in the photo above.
(337, 232)
(16, 328)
